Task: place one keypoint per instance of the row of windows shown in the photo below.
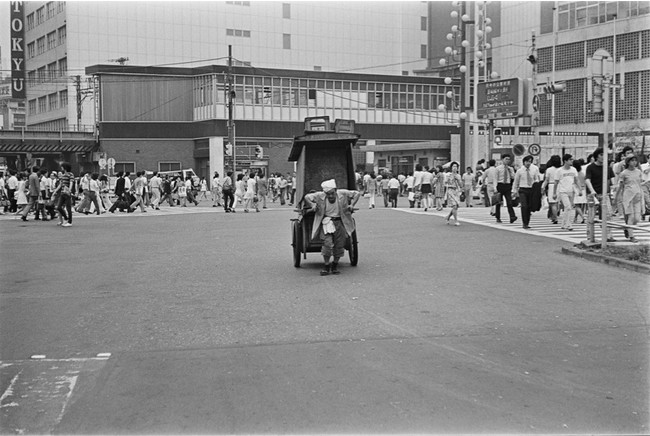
(632, 46)
(288, 92)
(44, 13)
(129, 167)
(572, 107)
(48, 73)
(586, 13)
(53, 39)
(238, 32)
(48, 103)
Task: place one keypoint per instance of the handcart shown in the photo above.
(321, 153)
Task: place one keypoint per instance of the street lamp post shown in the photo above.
(468, 51)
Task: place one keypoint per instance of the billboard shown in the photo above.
(17, 50)
(500, 99)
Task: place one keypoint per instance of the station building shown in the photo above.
(166, 118)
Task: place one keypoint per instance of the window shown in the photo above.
(423, 51)
(50, 10)
(54, 101)
(169, 166)
(63, 67)
(51, 71)
(238, 32)
(423, 23)
(62, 35)
(32, 106)
(60, 6)
(40, 16)
(125, 167)
(63, 98)
(42, 104)
(51, 40)
(286, 41)
(40, 45)
(31, 77)
(30, 21)
(286, 10)
(41, 75)
(31, 50)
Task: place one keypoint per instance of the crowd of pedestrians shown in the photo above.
(563, 186)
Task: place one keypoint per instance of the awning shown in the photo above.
(58, 147)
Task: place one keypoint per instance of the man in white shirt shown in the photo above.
(489, 179)
(408, 188)
(12, 185)
(155, 185)
(566, 181)
(525, 178)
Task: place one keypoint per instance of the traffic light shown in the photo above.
(228, 149)
(554, 88)
(597, 107)
(497, 136)
(259, 152)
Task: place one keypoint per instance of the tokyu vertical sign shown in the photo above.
(17, 50)
(500, 99)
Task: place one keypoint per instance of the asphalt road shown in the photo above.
(211, 329)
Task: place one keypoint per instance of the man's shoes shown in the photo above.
(326, 270)
(499, 221)
(157, 208)
(66, 225)
(24, 218)
(512, 220)
(526, 227)
(633, 239)
(611, 240)
(335, 268)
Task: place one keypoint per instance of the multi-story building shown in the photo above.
(545, 42)
(62, 38)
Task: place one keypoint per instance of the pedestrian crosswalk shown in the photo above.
(540, 225)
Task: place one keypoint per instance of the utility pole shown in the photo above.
(231, 125)
(464, 91)
(78, 86)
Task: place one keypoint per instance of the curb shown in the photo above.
(613, 261)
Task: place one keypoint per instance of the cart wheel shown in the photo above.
(297, 244)
(353, 251)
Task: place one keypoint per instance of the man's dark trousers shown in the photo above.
(525, 200)
(504, 190)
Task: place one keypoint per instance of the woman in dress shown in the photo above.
(548, 186)
(251, 194)
(371, 189)
(468, 186)
(426, 188)
(262, 188)
(21, 192)
(580, 194)
(439, 182)
(203, 193)
(239, 191)
(629, 194)
(454, 186)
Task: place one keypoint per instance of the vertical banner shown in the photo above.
(17, 50)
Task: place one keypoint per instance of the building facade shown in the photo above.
(165, 119)
(552, 42)
(63, 38)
